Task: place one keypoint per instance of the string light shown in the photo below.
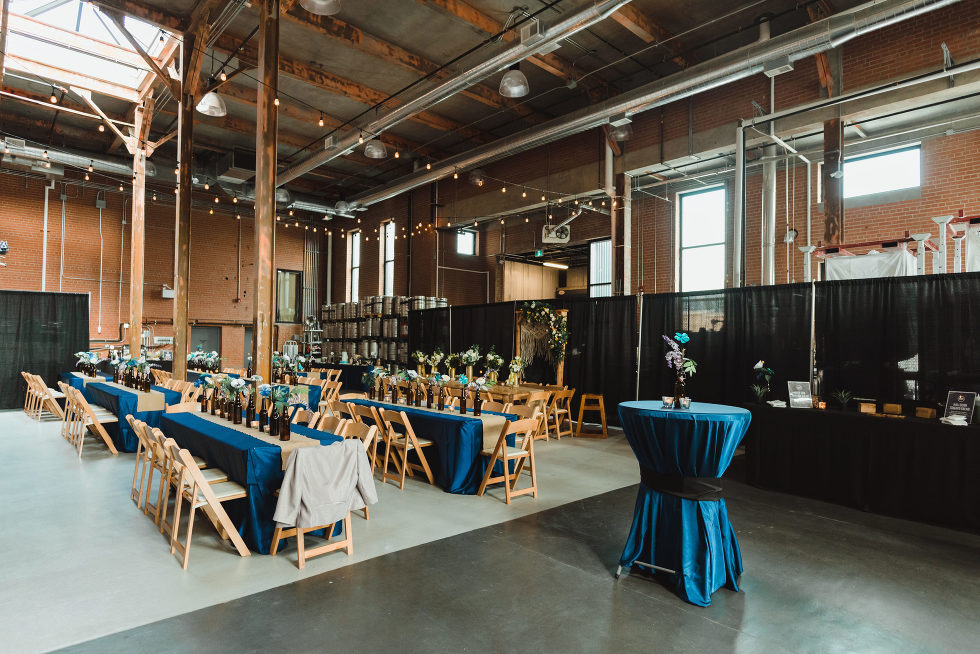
(90, 166)
(234, 200)
(455, 175)
(474, 223)
(206, 186)
(428, 166)
(223, 77)
(177, 171)
(86, 179)
(276, 102)
(291, 213)
(320, 122)
(297, 223)
(526, 219)
(277, 218)
(45, 154)
(47, 164)
(503, 189)
(154, 195)
(238, 216)
(543, 198)
(101, 127)
(211, 211)
(524, 194)
(396, 154)
(120, 187)
(360, 139)
(501, 221)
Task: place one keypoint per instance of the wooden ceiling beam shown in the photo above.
(70, 78)
(649, 31)
(156, 17)
(248, 95)
(162, 77)
(350, 89)
(551, 63)
(353, 37)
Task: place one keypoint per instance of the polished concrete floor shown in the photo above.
(818, 577)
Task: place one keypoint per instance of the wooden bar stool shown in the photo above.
(592, 402)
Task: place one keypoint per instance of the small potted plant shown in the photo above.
(763, 375)
(843, 398)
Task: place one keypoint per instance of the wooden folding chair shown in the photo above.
(330, 390)
(370, 414)
(399, 445)
(499, 407)
(90, 420)
(343, 397)
(31, 397)
(338, 409)
(331, 375)
(143, 454)
(522, 454)
(303, 554)
(368, 435)
(311, 418)
(199, 494)
(559, 411)
(160, 377)
(334, 425)
(46, 400)
(539, 400)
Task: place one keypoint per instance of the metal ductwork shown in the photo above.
(724, 69)
(81, 161)
(286, 199)
(600, 10)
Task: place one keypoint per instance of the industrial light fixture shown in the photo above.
(514, 83)
(478, 177)
(212, 105)
(621, 133)
(552, 264)
(375, 149)
(321, 7)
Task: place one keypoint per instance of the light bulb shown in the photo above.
(216, 200)
(120, 187)
(501, 221)
(523, 194)
(53, 99)
(277, 218)
(206, 186)
(177, 171)
(297, 223)
(542, 198)
(47, 164)
(234, 200)
(211, 211)
(360, 140)
(290, 212)
(154, 197)
(238, 216)
(90, 166)
(428, 166)
(527, 220)
(45, 154)
(223, 77)
(276, 102)
(396, 154)
(503, 190)
(101, 127)
(320, 122)
(474, 223)
(455, 175)
(86, 177)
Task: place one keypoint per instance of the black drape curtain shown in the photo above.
(39, 333)
(903, 338)
(484, 325)
(730, 331)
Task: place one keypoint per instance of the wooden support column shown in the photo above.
(265, 189)
(138, 147)
(185, 191)
(833, 184)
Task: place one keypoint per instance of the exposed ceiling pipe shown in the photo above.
(738, 64)
(577, 22)
(81, 161)
(287, 200)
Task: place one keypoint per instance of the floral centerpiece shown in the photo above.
(494, 363)
(544, 321)
(453, 361)
(469, 358)
(87, 362)
(515, 367)
(419, 357)
(435, 359)
(677, 360)
(372, 379)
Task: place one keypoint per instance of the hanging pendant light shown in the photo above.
(212, 105)
(375, 149)
(321, 7)
(621, 132)
(514, 84)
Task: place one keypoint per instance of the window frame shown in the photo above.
(680, 236)
(386, 278)
(473, 235)
(299, 296)
(917, 147)
(353, 270)
(589, 281)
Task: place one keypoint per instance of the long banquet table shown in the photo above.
(254, 460)
(457, 465)
(904, 467)
(122, 402)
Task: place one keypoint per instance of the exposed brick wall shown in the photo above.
(214, 259)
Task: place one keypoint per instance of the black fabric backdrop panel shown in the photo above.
(730, 331)
(904, 338)
(39, 333)
(484, 325)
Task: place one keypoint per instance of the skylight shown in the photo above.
(101, 52)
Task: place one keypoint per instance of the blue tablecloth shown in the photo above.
(456, 464)
(77, 382)
(251, 462)
(695, 538)
(192, 375)
(122, 402)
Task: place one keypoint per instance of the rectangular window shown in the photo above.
(465, 242)
(354, 264)
(388, 258)
(882, 172)
(702, 239)
(289, 296)
(600, 268)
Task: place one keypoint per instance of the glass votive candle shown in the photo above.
(685, 402)
(668, 402)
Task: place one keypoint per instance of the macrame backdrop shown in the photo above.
(535, 341)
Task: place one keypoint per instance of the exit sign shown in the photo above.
(539, 253)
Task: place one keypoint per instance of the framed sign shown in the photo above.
(800, 396)
(960, 403)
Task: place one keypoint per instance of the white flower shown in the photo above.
(759, 365)
(238, 383)
(411, 374)
(301, 359)
(444, 378)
